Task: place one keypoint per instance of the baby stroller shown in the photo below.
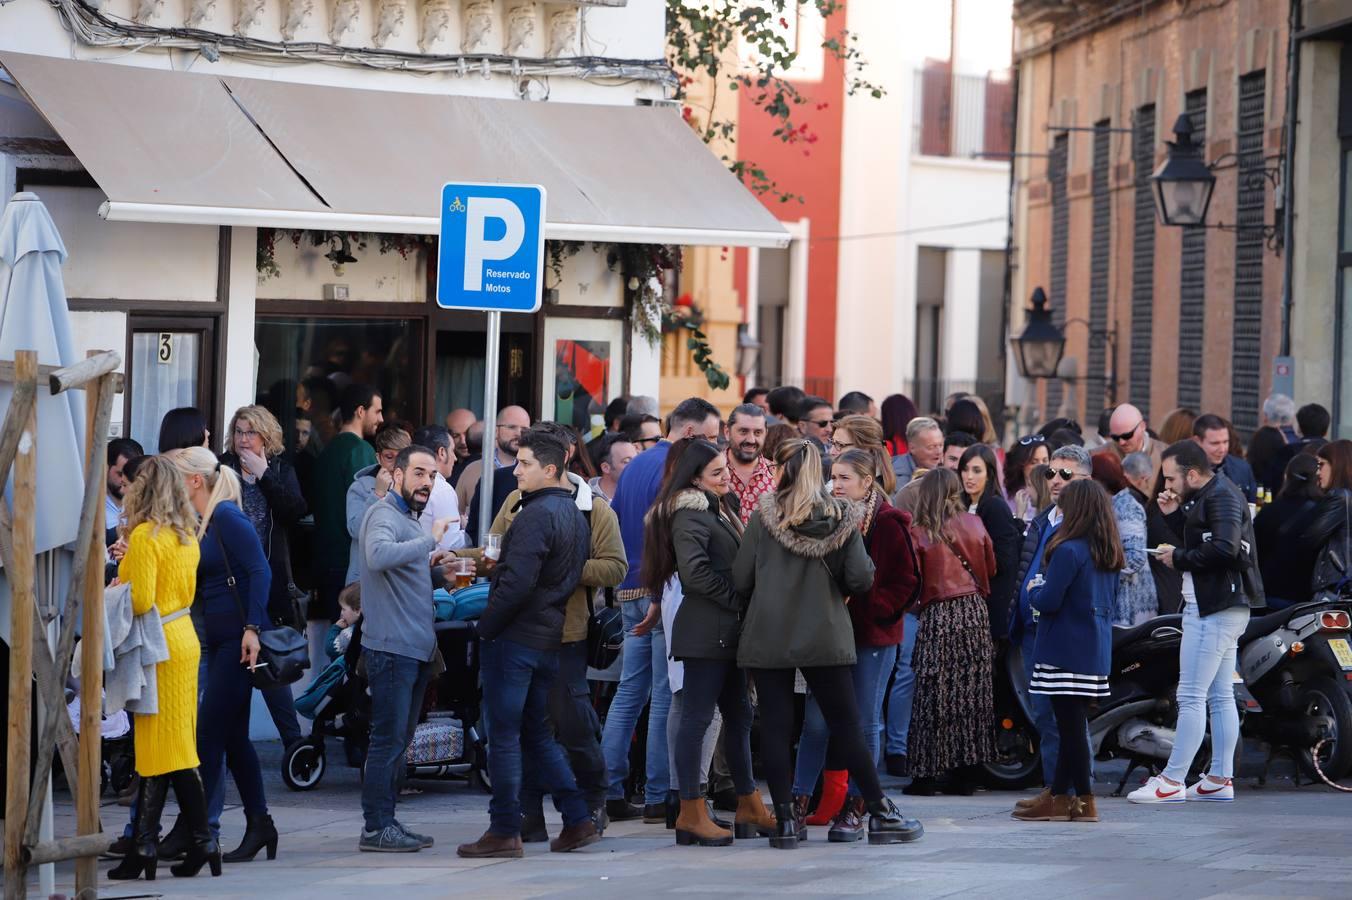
(449, 744)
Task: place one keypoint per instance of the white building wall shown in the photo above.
(908, 201)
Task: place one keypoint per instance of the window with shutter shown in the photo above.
(1192, 283)
(1096, 384)
(1056, 177)
(1249, 215)
(1142, 257)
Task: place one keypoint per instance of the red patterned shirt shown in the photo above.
(749, 492)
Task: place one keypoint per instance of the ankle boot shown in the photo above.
(1085, 809)
(753, 819)
(144, 855)
(695, 828)
(192, 800)
(177, 841)
(787, 834)
(713, 811)
(1055, 808)
(1028, 802)
(673, 808)
(886, 824)
(260, 832)
(835, 782)
(799, 807)
(848, 825)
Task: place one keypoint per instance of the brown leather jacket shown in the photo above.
(942, 574)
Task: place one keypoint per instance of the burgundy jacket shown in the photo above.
(877, 615)
(943, 575)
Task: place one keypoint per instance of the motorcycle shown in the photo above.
(1297, 669)
(1135, 722)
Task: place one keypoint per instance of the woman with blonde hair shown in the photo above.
(160, 566)
(233, 579)
(865, 433)
(952, 724)
(802, 555)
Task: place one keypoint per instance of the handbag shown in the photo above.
(283, 652)
(605, 634)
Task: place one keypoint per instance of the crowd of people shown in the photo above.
(859, 561)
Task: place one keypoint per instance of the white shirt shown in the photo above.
(440, 505)
(112, 512)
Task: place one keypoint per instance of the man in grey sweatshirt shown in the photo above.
(398, 570)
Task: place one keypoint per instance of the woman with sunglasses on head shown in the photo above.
(858, 477)
(1020, 491)
(693, 533)
(981, 490)
(952, 727)
(802, 555)
(1331, 528)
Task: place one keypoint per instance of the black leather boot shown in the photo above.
(192, 800)
(673, 808)
(800, 806)
(259, 832)
(786, 836)
(886, 824)
(177, 841)
(144, 855)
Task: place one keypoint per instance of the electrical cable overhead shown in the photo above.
(905, 231)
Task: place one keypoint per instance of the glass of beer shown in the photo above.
(464, 573)
(493, 546)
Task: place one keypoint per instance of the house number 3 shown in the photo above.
(165, 353)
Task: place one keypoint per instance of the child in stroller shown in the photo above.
(447, 744)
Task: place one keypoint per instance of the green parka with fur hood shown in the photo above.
(794, 580)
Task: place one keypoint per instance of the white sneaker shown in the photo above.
(1157, 790)
(1206, 789)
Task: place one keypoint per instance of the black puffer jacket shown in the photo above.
(1330, 530)
(709, 620)
(1218, 548)
(542, 558)
(286, 507)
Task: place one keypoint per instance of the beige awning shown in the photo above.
(204, 149)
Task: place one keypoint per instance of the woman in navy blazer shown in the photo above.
(1073, 654)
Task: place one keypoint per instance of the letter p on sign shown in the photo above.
(492, 247)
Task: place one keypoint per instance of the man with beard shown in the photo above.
(397, 638)
(749, 472)
(119, 451)
(512, 421)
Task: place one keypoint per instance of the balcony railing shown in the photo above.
(962, 116)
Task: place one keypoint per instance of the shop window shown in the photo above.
(305, 362)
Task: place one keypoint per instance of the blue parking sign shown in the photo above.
(492, 248)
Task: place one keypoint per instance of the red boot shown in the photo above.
(835, 782)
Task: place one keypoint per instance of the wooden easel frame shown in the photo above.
(18, 449)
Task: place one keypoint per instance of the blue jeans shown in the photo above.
(574, 721)
(1206, 669)
(223, 733)
(397, 684)
(643, 679)
(870, 674)
(517, 680)
(1049, 738)
(899, 699)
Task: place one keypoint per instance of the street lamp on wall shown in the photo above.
(1183, 182)
(1038, 350)
(748, 351)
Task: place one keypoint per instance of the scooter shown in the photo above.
(1297, 670)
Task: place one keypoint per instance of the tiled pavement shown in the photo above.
(1276, 841)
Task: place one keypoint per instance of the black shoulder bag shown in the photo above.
(283, 653)
(605, 627)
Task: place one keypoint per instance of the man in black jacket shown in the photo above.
(521, 631)
(1220, 585)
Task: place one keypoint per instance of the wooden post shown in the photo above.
(22, 604)
(91, 659)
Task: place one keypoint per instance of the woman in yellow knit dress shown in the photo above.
(160, 565)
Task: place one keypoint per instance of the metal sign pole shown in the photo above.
(490, 456)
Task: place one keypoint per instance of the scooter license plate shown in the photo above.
(1343, 651)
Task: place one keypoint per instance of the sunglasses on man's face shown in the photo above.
(820, 423)
(1066, 474)
(643, 442)
(1128, 435)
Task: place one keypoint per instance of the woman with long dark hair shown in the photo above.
(1285, 559)
(878, 617)
(897, 411)
(802, 555)
(1331, 528)
(1074, 602)
(952, 727)
(1028, 452)
(182, 428)
(981, 490)
(690, 532)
